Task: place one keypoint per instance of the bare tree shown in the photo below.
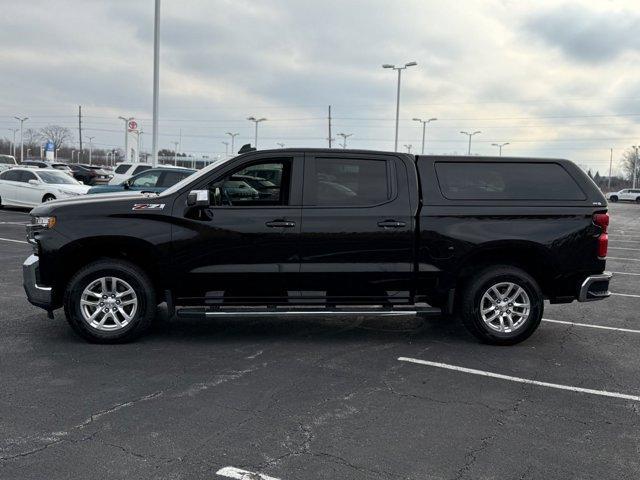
(32, 138)
(628, 161)
(56, 134)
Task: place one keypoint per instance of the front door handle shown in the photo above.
(391, 224)
(280, 224)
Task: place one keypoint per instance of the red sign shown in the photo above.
(133, 125)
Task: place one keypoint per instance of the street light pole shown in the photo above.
(635, 165)
(424, 127)
(233, 140)
(226, 149)
(156, 80)
(500, 145)
(470, 135)
(12, 150)
(175, 153)
(409, 147)
(21, 120)
(90, 148)
(344, 138)
(399, 69)
(256, 121)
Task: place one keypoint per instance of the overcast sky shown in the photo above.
(553, 78)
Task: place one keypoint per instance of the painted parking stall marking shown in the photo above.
(239, 474)
(588, 325)
(529, 381)
(12, 240)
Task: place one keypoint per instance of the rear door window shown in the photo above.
(141, 168)
(122, 168)
(506, 181)
(11, 175)
(349, 182)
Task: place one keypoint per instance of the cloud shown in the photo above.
(587, 35)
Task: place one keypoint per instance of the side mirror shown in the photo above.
(198, 198)
(34, 182)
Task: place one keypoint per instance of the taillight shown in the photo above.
(602, 221)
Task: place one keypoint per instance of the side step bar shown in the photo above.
(199, 313)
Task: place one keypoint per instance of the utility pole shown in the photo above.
(329, 118)
(500, 145)
(156, 80)
(399, 69)
(80, 126)
(470, 135)
(256, 121)
(21, 120)
(424, 128)
(344, 138)
(90, 148)
(610, 165)
(226, 149)
(233, 139)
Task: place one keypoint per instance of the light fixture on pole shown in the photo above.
(226, 149)
(470, 135)
(280, 144)
(500, 145)
(233, 141)
(344, 138)
(21, 120)
(256, 121)
(90, 148)
(424, 128)
(399, 69)
(408, 147)
(126, 136)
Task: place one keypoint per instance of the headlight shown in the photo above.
(44, 222)
(70, 194)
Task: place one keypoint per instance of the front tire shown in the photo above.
(110, 301)
(48, 198)
(502, 305)
(614, 199)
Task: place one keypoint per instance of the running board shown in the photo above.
(197, 312)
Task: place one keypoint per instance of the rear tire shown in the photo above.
(493, 302)
(637, 199)
(1, 205)
(614, 199)
(116, 310)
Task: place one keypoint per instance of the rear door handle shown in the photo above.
(391, 224)
(280, 224)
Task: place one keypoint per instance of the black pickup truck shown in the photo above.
(329, 232)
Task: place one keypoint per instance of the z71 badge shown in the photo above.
(148, 206)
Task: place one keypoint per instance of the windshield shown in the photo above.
(57, 178)
(195, 176)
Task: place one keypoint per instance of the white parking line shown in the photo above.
(12, 240)
(233, 472)
(626, 273)
(484, 373)
(624, 248)
(624, 241)
(602, 327)
(625, 259)
(625, 295)
(24, 224)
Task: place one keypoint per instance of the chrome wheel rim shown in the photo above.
(505, 307)
(108, 304)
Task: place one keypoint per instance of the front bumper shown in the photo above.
(595, 287)
(38, 295)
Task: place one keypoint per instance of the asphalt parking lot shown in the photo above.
(307, 398)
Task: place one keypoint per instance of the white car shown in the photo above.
(629, 194)
(26, 187)
(125, 170)
(7, 162)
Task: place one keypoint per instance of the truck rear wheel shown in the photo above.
(110, 301)
(502, 305)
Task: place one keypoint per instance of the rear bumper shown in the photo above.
(595, 287)
(38, 295)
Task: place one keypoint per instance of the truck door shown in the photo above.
(356, 241)
(243, 249)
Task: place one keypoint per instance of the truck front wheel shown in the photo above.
(502, 305)
(110, 301)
